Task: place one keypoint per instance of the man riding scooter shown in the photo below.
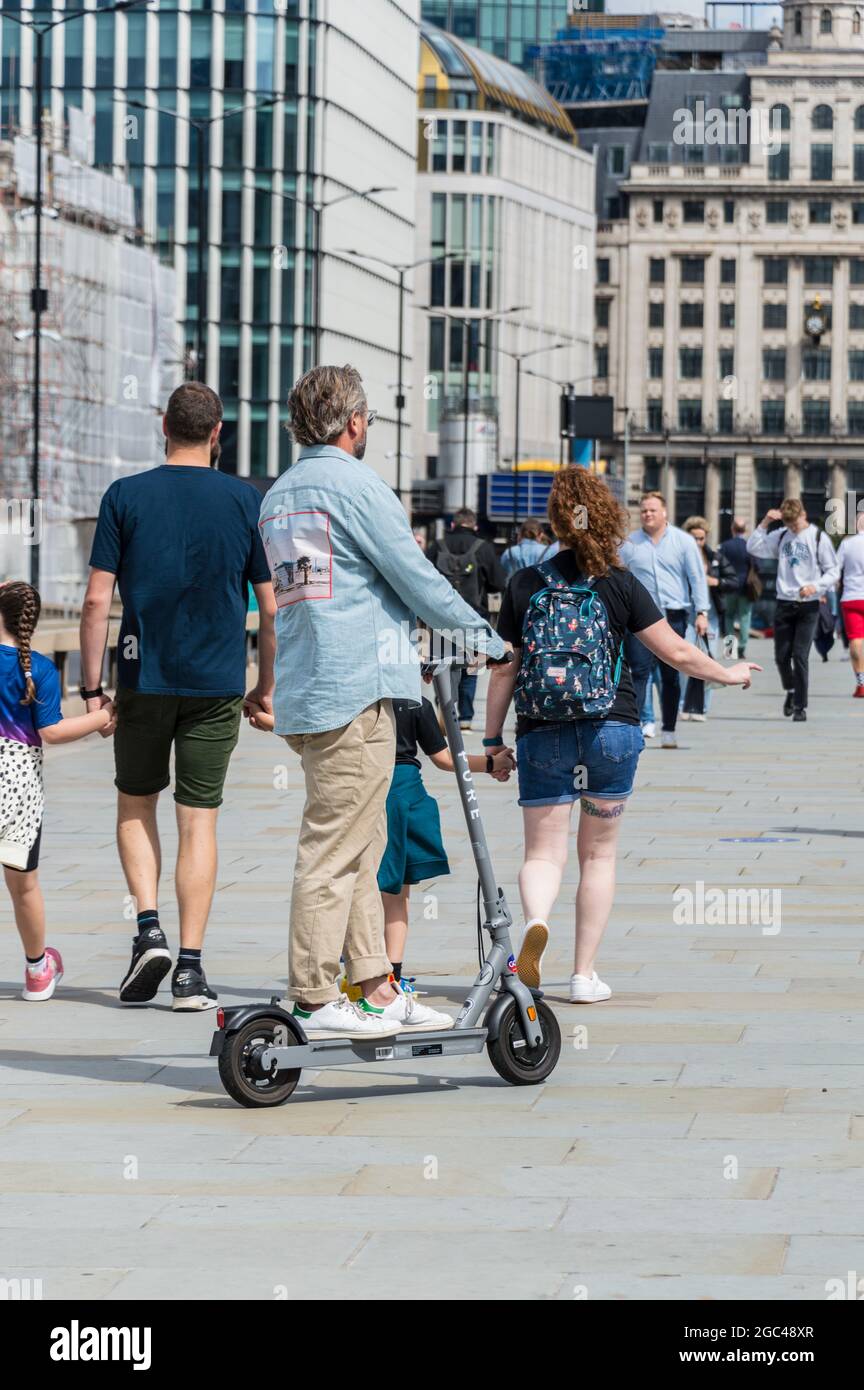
(349, 579)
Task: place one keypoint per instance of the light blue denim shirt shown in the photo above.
(523, 554)
(672, 570)
(349, 578)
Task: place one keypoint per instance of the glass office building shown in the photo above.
(252, 79)
(507, 28)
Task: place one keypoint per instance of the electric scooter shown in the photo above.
(262, 1049)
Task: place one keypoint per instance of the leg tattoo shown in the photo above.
(604, 812)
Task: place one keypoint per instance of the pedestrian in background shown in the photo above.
(806, 569)
(528, 550)
(721, 580)
(473, 568)
(739, 602)
(850, 562)
(667, 562)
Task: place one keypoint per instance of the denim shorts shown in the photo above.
(580, 757)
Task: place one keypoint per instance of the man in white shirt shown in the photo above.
(850, 558)
(806, 569)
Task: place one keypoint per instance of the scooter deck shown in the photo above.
(401, 1047)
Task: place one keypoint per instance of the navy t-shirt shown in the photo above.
(184, 545)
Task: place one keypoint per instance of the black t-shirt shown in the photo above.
(628, 603)
(416, 724)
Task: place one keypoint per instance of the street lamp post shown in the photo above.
(519, 358)
(39, 296)
(201, 125)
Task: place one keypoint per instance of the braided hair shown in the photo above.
(20, 606)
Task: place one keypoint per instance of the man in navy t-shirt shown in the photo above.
(181, 543)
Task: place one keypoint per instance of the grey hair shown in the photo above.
(323, 401)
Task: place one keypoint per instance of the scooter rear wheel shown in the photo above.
(513, 1059)
(240, 1068)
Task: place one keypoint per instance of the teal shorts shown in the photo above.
(415, 850)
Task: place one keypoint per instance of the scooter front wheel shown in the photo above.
(513, 1059)
(242, 1072)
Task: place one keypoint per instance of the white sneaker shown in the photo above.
(668, 740)
(407, 1012)
(649, 729)
(535, 939)
(729, 646)
(585, 991)
(685, 716)
(698, 718)
(340, 1018)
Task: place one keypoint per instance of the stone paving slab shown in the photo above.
(720, 1043)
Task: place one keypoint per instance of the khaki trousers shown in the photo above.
(336, 907)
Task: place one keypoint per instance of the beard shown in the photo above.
(360, 448)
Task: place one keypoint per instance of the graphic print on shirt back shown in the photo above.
(297, 546)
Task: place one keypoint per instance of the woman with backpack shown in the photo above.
(577, 727)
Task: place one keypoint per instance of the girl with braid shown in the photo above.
(30, 715)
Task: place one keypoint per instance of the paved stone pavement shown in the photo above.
(702, 1136)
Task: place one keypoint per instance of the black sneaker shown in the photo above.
(191, 990)
(789, 702)
(151, 961)
(800, 716)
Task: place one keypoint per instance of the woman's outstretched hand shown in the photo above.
(739, 674)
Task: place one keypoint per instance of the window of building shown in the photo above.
(858, 214)
(814, 488)
(780, 117)
(689, 415)
(773, 315)
(859, 118)
(692, 270)
(855, 417)
(726, 362)
(776, 270)
(655, 363)
(798, 22)
(773, 417)
(601, 361)
(818, 270)
(459, 146)
(616, 159)
(822, 118)
(603, 271)
(657, 208)
(816, 364)
(821, 163)
(817, 417)
(778, 164)
(693, 210)
(856, 365)
(820, 213)
(689, 497)
(725, 421)
(777, 210)
(439, 147)
(825, 22)
(770, 484)
(856, 315)
(729, 211)
(658, 153)
(601, 313)
(856, 22)
(856, 270)
(858, 163)
(727, 272)
(690, 364)
(727, 315)
(691, 315)
(694, 154)
(774, 364)
(657, 271)
(656, 314)
(655, 416)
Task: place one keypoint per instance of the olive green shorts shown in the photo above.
(203, 731)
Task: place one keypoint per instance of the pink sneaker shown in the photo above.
(42, 986)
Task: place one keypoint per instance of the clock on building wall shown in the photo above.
(815, 319)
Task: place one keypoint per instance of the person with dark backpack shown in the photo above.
(473, 568)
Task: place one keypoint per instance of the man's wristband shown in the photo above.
(90, 694)
(493, 742)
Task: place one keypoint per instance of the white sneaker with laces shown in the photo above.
(649, 729)
(668, 740)
(407, 1012)
(585, 991)
(340, 1018)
